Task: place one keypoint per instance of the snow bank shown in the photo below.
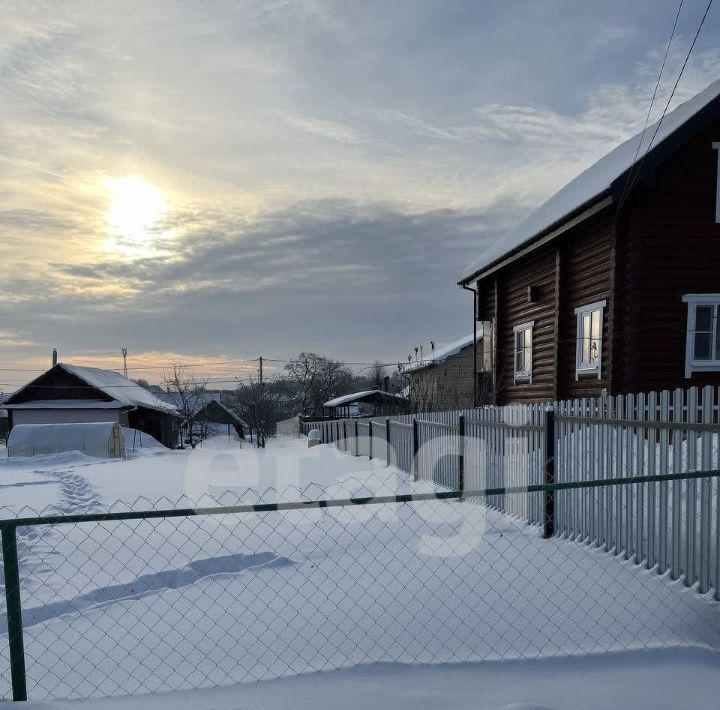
(136, 439)
(642, 681)
(102, 439)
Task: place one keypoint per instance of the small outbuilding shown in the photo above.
(219, 419)
(72, 394)
(372, 403)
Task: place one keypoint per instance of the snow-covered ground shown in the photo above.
(647, 680)
(222, 468)
(349, 597)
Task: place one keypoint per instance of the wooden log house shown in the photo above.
(613, 285)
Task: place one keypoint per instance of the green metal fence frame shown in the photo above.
(9, 527)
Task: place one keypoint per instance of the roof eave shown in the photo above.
(649, 162)
(665, 148)
(598, 204)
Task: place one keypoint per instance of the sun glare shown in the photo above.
(134, 216)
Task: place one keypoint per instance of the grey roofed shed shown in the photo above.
(372, 402)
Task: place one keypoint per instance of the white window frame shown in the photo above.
(582, 368)
(716, 146)
(523, 375)
(694, 300)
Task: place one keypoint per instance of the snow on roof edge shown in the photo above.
(118, 387)
(350, 398)
(442, 354)
(592, 182)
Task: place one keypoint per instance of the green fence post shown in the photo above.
(549, 516)
(387, 440)
(14, 612)
(370, 438)
(461, 455)
(415, 449)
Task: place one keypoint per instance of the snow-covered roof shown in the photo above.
(442, 354)
(225, 408)
(117, 386)
(593, 182)
(66, 404)
(357, 396)
(123, 391)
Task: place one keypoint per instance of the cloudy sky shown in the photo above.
(207, 181)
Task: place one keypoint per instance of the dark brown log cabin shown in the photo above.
(614, 283)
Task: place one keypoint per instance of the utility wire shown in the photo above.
(670, 98)
(652, 101)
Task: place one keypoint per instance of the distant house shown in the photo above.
(452, 377)
(613, 284)
(71, 393)
(368, 403)
(220, 419)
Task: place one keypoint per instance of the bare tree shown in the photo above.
(314, 379)
(189, 396)
(259, 405)
(377, 376)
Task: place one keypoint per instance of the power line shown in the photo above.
(670, 98)
(652, 100)
(247, 361)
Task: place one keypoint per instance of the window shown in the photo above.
(485, 347)
(523, 352)
(702, 343)
(588, 360)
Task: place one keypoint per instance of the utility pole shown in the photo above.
(124, 354)
(261, 438)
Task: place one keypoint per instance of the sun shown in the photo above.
(134, 216)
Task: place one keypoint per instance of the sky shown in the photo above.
(211, 181)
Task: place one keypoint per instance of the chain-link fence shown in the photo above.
(674, 527)
(128, 602)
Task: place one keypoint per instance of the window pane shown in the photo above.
(585, 339)
(703, 343)
(595, 330)
(523, 348)
(703, 319)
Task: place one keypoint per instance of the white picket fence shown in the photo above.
(671, 527)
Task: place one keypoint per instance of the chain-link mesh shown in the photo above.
(118, 607)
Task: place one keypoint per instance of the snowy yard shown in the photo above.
(331, 606)
(649, 680)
